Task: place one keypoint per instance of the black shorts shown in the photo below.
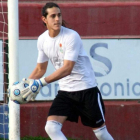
(87, 104)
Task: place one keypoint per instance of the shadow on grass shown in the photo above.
(40, 138)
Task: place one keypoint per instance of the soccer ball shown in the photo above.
(15, 92)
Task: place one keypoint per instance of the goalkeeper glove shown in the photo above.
(30, 92)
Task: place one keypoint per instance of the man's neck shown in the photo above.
(53, 33)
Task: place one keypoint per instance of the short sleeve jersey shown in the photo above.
(67, 45)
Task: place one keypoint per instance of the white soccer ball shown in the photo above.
(15, 92)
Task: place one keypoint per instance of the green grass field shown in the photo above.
(39, 138)
(35, 138)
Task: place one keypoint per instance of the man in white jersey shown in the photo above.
(78, 95)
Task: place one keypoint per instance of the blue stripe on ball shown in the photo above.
(26, 85)
(16, 92)
(15, 83)
(16, 102)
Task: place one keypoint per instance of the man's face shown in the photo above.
(54, 19)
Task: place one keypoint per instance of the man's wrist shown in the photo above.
(43, 81)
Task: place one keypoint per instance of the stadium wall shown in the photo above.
(96, 19)
(90, 20)
(122, 120)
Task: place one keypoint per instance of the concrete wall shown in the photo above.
(122, 120)
(89, 19)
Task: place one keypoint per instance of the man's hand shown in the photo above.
(33, 89)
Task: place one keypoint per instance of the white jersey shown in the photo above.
(67, 45)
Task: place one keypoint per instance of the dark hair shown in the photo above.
(50, 5)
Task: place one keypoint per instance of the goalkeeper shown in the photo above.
(78, 94)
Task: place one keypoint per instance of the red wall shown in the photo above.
(122, 120)
(92, 19)
(89, 19)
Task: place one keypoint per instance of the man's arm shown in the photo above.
(62, 72)
(34, 82)
(39, 70)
